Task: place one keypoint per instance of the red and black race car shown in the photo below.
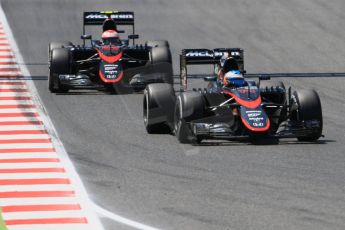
(232, 106)
(110, 63)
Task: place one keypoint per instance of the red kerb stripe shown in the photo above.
(23, 141)
(8, 69)
(39, 208)
(28, 150)
(16, 132)
(6, 56)
(19, 114)
(11, 82)
(21, 123)
(35, 181)
(30, 160)
(15, 98)
(12, 90)
(33, 170)
(81, 220)
(28, 194)
(19, 106)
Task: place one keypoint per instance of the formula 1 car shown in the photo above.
(254, 110)
(111, 63)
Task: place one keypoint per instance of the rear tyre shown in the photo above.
(189, 106)
(162, 55)
(158, 107)
(60, 63)
(309, 108)
(157, 43)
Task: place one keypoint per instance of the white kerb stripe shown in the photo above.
(39, 215)
(21, 127)
(26, 155)
(13, 66)
(39, 187)
(51, 227)
(12, 86)
(24, 136)
(6, 73)
(5, 52)
(18, 110)
(38, 200)
(14, 94)
(30, 165)
(7, 59)
(16, 102)
(32, 176)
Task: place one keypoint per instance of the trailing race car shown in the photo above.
(231, 106)
(111, 63)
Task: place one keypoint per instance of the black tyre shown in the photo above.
(54, 45)
(157, 43)
(60, 63)
(309, 108)
(189, 106)
(158, 107)
(161, 59)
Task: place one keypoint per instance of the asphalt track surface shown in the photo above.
(155, 180)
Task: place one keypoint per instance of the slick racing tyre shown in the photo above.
(189, 106)
(309, 108)
(54, 45)
(157, 43)
(60, 63)
(160, 58)
(158, 107)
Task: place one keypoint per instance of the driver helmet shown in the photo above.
(111, 37)
(234, 78)
(228, 63)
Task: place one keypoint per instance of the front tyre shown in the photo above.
(309, 109)
(60, 63)
(189, 106)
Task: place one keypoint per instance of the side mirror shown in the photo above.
(133, 36)
(210, 78)
(86, 36)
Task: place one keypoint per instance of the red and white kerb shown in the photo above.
(36, 191)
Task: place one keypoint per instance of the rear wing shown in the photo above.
(92, 18)
(205, 57)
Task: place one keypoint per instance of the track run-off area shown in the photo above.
(152, 179)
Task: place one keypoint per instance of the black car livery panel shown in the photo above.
(108, 66)
(255, 110)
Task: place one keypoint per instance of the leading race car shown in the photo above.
(231, 106)
(110, 63)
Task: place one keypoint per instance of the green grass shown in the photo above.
(2, 223)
